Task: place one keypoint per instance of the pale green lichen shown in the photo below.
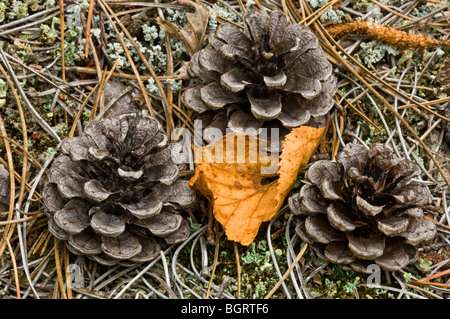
(424, 9)
(361, 5)
(151, 33)
(18, 10)
(219, 10)
(3, 6)
(73, 14)
(2, 93)
(316, 4)
(152, 87)
(12, 9)
(374, 51)
(176, 17)
(332, 15)
(175, 86)
(49, 33)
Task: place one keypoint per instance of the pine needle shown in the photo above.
(88, 28)
(238, 268)
(61, 16)
(291, 267)
(216, 257)
(13, 260)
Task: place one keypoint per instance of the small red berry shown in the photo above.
(403, 52)
(63, 98)
(35, 135)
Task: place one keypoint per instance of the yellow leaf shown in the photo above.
(232, 172)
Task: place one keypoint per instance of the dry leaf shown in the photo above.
(234, 183)
(193, 34)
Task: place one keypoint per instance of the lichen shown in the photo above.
(374, 51)
(315, 4)
(219, 10)
(334, 16)
(49, 34)
(177, 17)
(330, 14)
(424, 9)
(3, 6)
(2, 93)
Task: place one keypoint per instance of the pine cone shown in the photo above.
(363, 208)
(114, 193)
(270, 70)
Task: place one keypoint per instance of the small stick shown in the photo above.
(80, 111)
(58, 270)
(61, 17)
(216, 257)
(16, 273)
(88, 28)
(8, 230)
(67, 273)
(291, 267)
(316, 14)
(238, 268)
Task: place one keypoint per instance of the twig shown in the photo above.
(30, 17)
(88, 28)
(216, 257)
(238, 269)
(59, 270)
(80, 111)
(21, 220)
(61, 19)
(13, 259)
(8, 230)
(297, 259)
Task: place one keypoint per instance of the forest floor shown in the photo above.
(44, 95)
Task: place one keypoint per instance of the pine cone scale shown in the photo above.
(106, 224)
(74, 217)
(232, 35)
(267, 107)
(122, 247)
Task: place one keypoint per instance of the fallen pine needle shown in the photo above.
(297, 259)
(238, 266)
(216, 257)
(13, 259)
(88, 28)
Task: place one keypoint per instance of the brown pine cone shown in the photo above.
(114, 192)
(269, 70)
(364, 208)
